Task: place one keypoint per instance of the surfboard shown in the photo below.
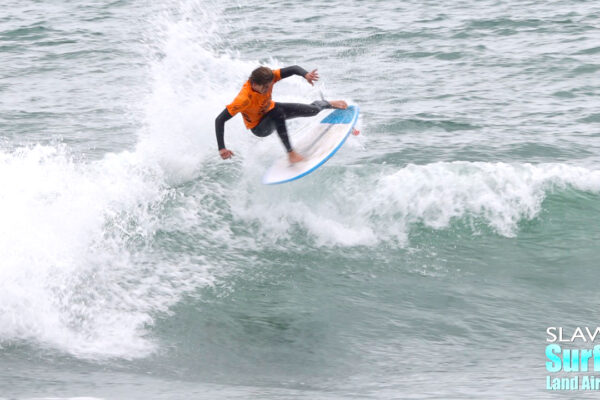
(317, 146)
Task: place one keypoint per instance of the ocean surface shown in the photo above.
(424, 261)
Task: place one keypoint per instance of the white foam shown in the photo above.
(364, 209)
(191, 82)
(70, 276)
(78, 271)
(500, 194)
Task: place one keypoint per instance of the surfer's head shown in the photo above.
(261, 79)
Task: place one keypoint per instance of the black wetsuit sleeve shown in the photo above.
(293, 70)
(220, 127)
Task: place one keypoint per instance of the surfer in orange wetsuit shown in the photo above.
(262, 115)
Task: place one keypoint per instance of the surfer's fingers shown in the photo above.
(226, 154)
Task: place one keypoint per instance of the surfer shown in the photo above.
(262, 115)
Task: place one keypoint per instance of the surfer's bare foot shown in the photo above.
(295, 157)
(355, 132)
(339, 104)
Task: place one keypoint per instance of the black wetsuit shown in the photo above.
(275, 118)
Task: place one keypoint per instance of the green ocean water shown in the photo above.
(425, 260)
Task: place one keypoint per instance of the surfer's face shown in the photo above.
(262, 89)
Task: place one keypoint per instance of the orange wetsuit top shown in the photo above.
(253, 105)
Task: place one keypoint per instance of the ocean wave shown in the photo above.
(350, 208)
(77, 271)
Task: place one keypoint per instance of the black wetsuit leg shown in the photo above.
(295, 110)
(275, 119)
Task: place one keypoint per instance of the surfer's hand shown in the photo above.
(295, 157)
(312, 77)
(225, 154)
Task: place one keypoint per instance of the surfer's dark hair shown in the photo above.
(261, 76)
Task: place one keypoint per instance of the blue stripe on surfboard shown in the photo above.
(352, 122)
(340, 116)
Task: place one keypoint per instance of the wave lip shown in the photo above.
(369, 205)
(501, 194)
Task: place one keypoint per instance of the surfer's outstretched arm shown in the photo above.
(220, 131)
(293, 70)
(311, 77)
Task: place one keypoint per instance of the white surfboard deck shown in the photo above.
(316, 146)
